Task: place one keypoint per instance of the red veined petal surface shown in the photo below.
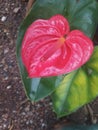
(50, 49)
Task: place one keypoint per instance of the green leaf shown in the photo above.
(79, 127)
(82, 12)
(77, 88)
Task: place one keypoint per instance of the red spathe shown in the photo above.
(50, 49)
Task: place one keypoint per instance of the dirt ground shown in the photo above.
(16, 111)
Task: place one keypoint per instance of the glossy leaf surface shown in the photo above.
(77, 88)
(44, 9)
(79, 127)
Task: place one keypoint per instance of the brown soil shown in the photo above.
(16, 112)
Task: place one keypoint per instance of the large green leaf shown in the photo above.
(79, 127)
(77, 88)
(82, 12)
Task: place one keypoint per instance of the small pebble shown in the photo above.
(27, 109)
(6, 51)
(41, 120)
(3, 19)
(12, 4)
(31, 121)
(16, 10)
(8, 87)
(27, 122)
(4, 126)
(17, 92)
(5, 30)
(23, 113)
(50, 103)
(43, 125)
(6, 9)
(14, 111)
(6, 78)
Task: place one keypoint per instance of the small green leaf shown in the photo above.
(77, 88)
(79, 127)
(82, 12)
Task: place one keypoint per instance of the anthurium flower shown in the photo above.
(49, 48)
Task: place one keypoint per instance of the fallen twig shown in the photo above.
(23, 102)
(11, 126)
(29, 5)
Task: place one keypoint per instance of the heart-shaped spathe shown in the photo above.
(50, 49)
